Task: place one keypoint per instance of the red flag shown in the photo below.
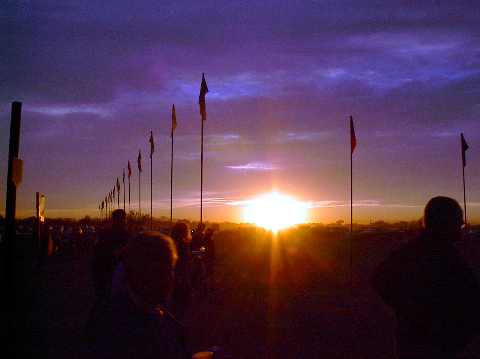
(129, 170)
(152, 144)
(353, 138)
(174, 119)
(464, 149)
(139, 161)
(201, 98)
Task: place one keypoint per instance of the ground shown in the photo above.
(288, 297)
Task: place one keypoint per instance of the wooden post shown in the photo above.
(11, 187)
(10, 289)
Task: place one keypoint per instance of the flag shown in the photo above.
(129, 170)
(123, 178)
(464, 149)
(201, 98)
(353, 138)
(152, 144)
(174, 119)
(139, 161)
(118, 186)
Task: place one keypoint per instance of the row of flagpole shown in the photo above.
(353, 144)
(106, 205)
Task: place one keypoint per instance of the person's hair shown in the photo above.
(442, 214)
(118, 217)
(180, 231)
(149, 261)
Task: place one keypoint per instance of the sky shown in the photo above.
(95, 77)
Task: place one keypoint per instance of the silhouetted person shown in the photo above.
(434, 294)
(105, 260)
(183, 288)
(105, 252)
(136, 323)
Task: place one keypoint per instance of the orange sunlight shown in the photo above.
(275, 211)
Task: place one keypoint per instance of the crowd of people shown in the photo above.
(143, 285)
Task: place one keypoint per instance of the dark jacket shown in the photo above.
(434, 294)
(125, 332)
(105, 258)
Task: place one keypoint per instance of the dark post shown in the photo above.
(10, 237)
(11, 187)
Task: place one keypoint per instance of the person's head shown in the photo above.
(149, 261)
(181, 232)
(118, 218)
(443, 218)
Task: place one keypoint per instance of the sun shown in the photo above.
(275, 211)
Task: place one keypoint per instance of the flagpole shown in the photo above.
(353, 144)
(151, 191)
(139, 180)
(171, 183)
(351, 214)
(201, 178)
(464, 197)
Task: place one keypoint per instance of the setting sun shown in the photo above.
(275, 211)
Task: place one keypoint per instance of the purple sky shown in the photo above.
(96, 77)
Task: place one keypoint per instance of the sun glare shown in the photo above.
(275, 211)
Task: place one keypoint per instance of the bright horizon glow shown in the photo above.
(275, 211)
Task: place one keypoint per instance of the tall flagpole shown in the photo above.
(201, 179)
(118, 193)
(123, 180)
(151, 192)
(139, 163)
(464, 197)
(174, 126)
(129, 169)
(171, 184)
(353, 144)
(152, 149)
(139, 208)
(203, 113)
(464, 146)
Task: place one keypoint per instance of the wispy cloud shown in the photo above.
(62, 110)
(361, 203)
(254, 166)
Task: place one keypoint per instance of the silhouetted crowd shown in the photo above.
(144, 284)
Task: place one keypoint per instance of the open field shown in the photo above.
(285, 297)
